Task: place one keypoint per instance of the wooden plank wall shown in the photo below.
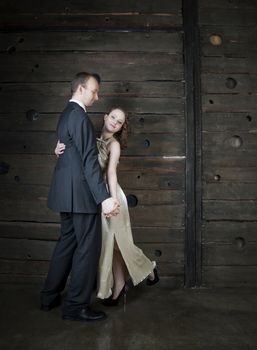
(137, 48)
(229, 124)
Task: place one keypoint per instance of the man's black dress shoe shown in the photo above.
(85, 315)
(55, 303)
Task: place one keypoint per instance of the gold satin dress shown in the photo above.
(118, 228)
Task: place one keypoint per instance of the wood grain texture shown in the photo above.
(82, 41)
(232, 276)
(51, 232)
(46, 67)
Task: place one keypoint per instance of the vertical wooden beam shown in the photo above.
(193, 144)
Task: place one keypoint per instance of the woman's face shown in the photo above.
(114, 121)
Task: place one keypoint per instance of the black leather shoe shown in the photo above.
(85, 315)
(55, 303)
(156, 279)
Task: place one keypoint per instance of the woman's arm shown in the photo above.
(112, 168)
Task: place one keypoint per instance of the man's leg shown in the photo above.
(61, 262)
(85, 262)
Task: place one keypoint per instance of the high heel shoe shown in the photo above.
(113, 302)
(156, 279)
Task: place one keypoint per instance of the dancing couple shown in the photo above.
(95, 238)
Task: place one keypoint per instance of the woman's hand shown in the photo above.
(60, 148)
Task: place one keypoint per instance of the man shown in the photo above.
(76, 191)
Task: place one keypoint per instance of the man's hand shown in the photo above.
(110, 207)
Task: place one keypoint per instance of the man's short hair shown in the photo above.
(81, 78)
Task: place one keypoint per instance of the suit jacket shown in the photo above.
(77, 185)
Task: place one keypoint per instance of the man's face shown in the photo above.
(90, 92)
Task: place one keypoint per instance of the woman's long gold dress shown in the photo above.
(118, 228)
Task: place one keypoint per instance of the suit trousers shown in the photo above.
(77, 252)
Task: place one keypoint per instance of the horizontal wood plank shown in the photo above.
(232, 276)
(129, 104)
(138, 123)
(91, 41)
(97, 6)
(51, 232)
(45, 67)
(229, 231)
(236, 174)
(25, 268)
(134, 172)
(61, 91)
(94, 21)
(37, 211)
(234, 143)
(237, 41)
(244, 210)
(227, 4)
(230, 191)
(22, 249)
(229, 254)
(229, 122)
(144, 197)
(228, 65)
(234, 16)
(138, 144)
(229, 103)
(244, 84)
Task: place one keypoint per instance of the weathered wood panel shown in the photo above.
(91, 41)
(227, 122)
(29, 210)
(229, 145)
(25, 268)
(237, 16)
(232, 142)
(134, 172)
(23, 249)
(37, 192)
(142, 71)
(230, 65)
(229, 103)
(138, 144)
(236, 41)
(243, 210)
(117, 88)
(51, 232)
(131, 105)
(230, 191)
(45, 67)
(82, 15)
(104, 21)
(215, 254)
(146, 123)
(232, 276)
(232, 83)
(235, 173)
(58, 6)
(225, 231)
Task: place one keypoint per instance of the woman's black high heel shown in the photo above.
(156, 279)
(113, 302)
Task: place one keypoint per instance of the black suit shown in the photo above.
(76, 191)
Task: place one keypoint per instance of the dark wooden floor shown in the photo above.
(159, 317)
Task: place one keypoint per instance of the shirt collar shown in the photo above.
(78, 102)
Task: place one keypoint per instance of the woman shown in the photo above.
(119, 254)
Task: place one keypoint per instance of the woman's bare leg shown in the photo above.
(119, 271)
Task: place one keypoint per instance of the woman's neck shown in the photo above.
(105, 135)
